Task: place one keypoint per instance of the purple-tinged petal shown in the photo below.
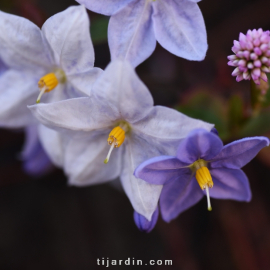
(3, 67)
(68, 34)
(22, 45)
(179, 195)
(237, 154)
(106, 7)
(199, 144)
(35, 160)
(84, 160)
(180, 29)
(130, 34)
(230, 184)
(143, 224)
(18, 89)
(159, 170)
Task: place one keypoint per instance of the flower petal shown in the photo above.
(68, 35)
(159, 170)
(143, 196)
(77, 114)
(83, 81)
(179, 195)
(18, 90)
(106, 7)
(143, 224)
(84, 161)
(237, 154)
(120, 91)
(130, 34)
(199, 144)
(21, 44)
(53, 144)
(230, 184)
(179, 28)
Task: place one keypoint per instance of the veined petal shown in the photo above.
(179, 28)
(130, 34)
(77, 114)
(68, 35)
(83, 82)
(230, 184)
(179, 195)
(237, 154)
(199, 144)
(106, 7)
(168, 127)
(84, 160)
(159, 170)
(21, 44)
(18, 90)
(53, 144)
(142, 195)
(120, 91)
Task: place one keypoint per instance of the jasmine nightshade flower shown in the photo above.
(202, 166)
(135, 26)
(252, 56)
(57, 60)
(117, 123)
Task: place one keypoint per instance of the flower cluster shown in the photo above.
(252, 56)
(100, 125)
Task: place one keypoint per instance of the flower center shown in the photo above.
(48, 82)
(203, 178)
(116, 138)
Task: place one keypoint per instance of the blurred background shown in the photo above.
(44, 224)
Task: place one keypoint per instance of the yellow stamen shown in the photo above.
(205, 181)
(47, 84)
(115, 139)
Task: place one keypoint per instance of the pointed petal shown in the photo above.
(68, 35)
(35, 160)
(18, 90)
(21, 44)
(179, 195)
(199, 144)
(53, 144)
(120, 90)
(237, 154)
(84, 161)
(143, 196)
(230, 184)
(83, 82)
(143, 224)
(159, 170)
(180, 29)
(131, 34)
(106, 7)
(167, 127)
(78, 114)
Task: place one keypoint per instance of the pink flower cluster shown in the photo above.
(252, 56)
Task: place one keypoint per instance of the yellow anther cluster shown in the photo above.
(116, 137)
(49, 82)
(204, 178)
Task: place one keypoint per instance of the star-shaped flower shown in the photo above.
(135, 26)
(120, 113)
(202, 166)
(58, 60)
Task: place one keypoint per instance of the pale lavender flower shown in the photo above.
(57, 60)
(202, 166)
(136, 25)
(120, 113)
(252, 56)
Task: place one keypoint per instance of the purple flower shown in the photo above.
(143, 224)
(202, 166)
(252, 56)
(136, 25)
